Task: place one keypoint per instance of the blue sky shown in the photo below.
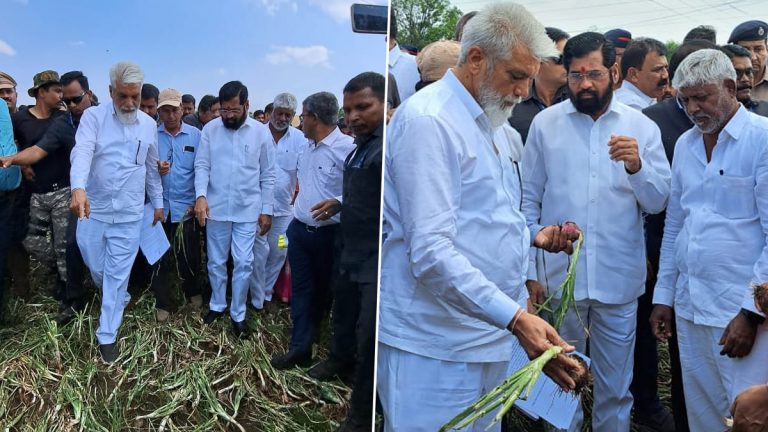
(195, 46)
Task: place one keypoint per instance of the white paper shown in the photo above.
(546, 400)
(153, 242)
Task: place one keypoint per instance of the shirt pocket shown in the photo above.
(287, 160)
(734, 197)
(326, 175)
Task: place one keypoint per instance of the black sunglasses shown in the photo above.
(75, 100)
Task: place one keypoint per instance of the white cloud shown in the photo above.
(77, 43)
(337, 9)
(22, 2)
(6, 49)
(221, 71)
(315, 55)
(272, 6)
(294, 7)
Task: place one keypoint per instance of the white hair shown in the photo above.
(126, 73)
(499, 28)
(286, 101)
(705, 66)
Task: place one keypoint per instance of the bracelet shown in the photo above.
(514, 320)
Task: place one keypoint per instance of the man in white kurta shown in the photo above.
(455, 249)
(714, 244)
(600, 164)
(270, 251)
(234, 185)
(114, 163)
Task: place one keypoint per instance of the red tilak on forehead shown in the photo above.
(583, 70)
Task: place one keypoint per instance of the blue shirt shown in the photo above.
(10, 178)
(114, 162)
(179, 183)
(235, 171)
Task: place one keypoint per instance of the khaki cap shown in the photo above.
(6, 81)
(170, 97)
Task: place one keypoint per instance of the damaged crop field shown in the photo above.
(176, 376)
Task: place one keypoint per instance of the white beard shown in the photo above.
(493, 104)
(127, 117)
(278, 126)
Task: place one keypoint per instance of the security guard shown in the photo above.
(752, 36)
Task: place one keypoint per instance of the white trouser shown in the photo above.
(752, 369)
(223, 237)
(109, 250)
(611, 348)
(420, 394)
(712, 381)
(268, 259)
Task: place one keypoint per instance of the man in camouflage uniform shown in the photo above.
(48, 179)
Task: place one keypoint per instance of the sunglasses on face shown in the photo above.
(73, 100)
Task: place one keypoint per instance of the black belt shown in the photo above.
(313, 228)
(52, 187)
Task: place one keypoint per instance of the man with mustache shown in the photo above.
(752, 36)
(114, 166)
(8, 91)
(715, 245)
(646, 73)
(600, 164)
(234, 186)
(740, 58)
(269, 254)
(455, 251)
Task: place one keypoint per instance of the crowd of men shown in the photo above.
(514, 129)
(81, 182)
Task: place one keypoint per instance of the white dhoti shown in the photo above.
(223, 237)
(268, 259)
(611, 348)
(712, 381)
(109, 250)
(420, 394)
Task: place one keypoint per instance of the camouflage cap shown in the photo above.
(41, 79)
(6, 81)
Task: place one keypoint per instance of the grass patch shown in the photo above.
(176, 376)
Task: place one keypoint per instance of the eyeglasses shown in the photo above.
(593, 75)
(73, 100)
(740, 73)
(225, 111)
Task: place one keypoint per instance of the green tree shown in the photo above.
(421, 22)
(672, 46)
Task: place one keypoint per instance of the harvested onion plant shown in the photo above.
(517, 386)
(177, 376)
(761, 297)
(567, 290)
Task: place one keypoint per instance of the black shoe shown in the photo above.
(255, 309)
(109, 352)
(66, 316)
(331, 369)
(212, 316)
(660, 421)
(58, 290)
(291, 359)
(353, 425)
(239, 328)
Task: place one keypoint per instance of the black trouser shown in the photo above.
(311, 255)
(6, 211)
(75, 294)
(184, 256)
(644, 381)
(354, 337)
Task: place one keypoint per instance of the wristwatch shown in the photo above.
(753, 318)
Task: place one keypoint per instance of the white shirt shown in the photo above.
(288, 149)
(321, 169)
(114, 163)
(403, 67)
(568, 176)
(714, 244)
(630, 95)
(235, 171)
(455, 250)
